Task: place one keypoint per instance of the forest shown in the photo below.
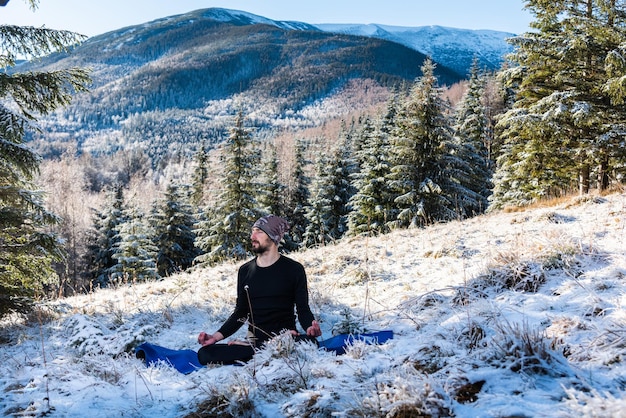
(549, 123)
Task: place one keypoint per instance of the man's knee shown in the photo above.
(225, 354)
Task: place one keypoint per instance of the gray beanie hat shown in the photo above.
(274, 226)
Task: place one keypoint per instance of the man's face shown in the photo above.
(261, 242)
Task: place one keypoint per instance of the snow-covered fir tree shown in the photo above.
(472, 134)
(418, 173)
(173, 222)
(371, 204)
(328, 207)
(200, 175)
(271, 196)
(316, 232)
(103, 237)
(566, 127)
(298, 199)
(134, 251)
(387, 128)
(27, 248)
(224, 233)
(343, 167)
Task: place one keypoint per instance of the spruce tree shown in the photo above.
(418, 173)
(173, 223)
(271, 196)
(343, 167)
(566, 125)
(298, 200)
(200, 175)
(371, 203)
(27, 250)
(472, 133)
(387, 131)
(134, 251)
(317, 228)
(103, 238)
(329, 206)
(226, 233)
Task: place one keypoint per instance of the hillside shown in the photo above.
(166, 85)
(508, 314)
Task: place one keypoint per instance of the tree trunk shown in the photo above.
(583, 180)
(603, 175)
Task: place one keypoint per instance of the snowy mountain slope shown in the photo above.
(166, 85)
(163, 86)
(453, 47)
(508, 314)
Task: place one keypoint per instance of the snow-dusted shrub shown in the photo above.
(234, 403)
(474, 335)
(88, 335)
(285, 363)
(593, 404)
(554, 217)
(430, 358)
(309, 404)
(358, 349)
(407, 393)
(511, 274)
(587, 198)
(424, 308)
(516, 274)
(562, 252)
(521, 349)
(428, 300)
(344, 261)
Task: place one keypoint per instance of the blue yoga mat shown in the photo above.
(339, 343)
(185, 361)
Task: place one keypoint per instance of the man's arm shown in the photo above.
(305, 316)
(234, 321)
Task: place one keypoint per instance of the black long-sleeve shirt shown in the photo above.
(273, 292)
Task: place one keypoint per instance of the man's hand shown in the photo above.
(314, 330)
(208, 339)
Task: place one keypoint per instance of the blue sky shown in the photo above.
(93, 17)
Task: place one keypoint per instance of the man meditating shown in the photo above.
(269, 287)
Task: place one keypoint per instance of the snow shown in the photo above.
(507, 314)
(427, 39)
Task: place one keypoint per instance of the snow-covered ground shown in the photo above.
(509, 314)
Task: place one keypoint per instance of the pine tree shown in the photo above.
(27, 250)
(298, 201)
(200, 175)
(226, 233)
(472, 132)
(342, 168)
(272, 192)
(371, 203)
(317, 229)
(567, 122)
(134, 251)
(328, 209)
(387, 132)
(173, 224)
(418, 173)
(104, 236)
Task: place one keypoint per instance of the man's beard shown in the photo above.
(259, 248)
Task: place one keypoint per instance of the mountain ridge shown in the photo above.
(441, 43)
(167, 85)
